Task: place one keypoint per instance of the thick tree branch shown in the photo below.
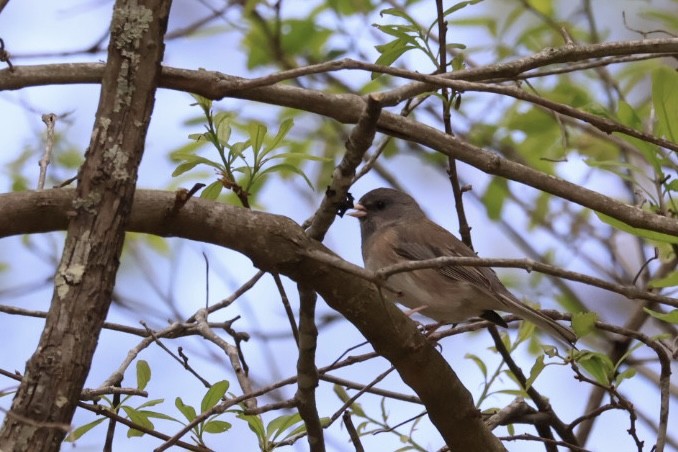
(347, 108)
(307, 372)
(3, 3)
(359, 141)
(282, 246)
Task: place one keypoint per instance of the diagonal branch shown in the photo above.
(283, 247)
(335, 200)
(347, 108)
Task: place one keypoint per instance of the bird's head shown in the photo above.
(383, 207)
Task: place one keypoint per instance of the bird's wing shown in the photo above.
(416, 251)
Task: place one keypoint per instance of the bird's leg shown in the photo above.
(409, 312)
(428, 329)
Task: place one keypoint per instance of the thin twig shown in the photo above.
(286, 305)
(352, 433)
(50, 121)
(542, 403)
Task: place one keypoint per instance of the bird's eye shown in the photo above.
(380, 205)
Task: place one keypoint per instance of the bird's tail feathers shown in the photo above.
(544, 322)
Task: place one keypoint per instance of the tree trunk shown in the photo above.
(46, 400)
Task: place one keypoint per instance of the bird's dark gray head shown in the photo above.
(383, 207)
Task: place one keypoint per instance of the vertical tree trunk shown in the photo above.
(46, 400)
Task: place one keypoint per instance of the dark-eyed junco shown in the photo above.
(394, 229)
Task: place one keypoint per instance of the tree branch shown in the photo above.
(282, 247)
(347, 108)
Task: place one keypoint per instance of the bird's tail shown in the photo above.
(544, 322)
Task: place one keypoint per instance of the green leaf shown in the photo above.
(513, 392)
(668, 18)
(486, 22)
(669, 317)
(237, 149)
(157, 415)
(525, 331)
(345, 8)
(138, 417)
(255, 424)
(78, 432)
(494, 197)
(214, 395)
(541, 210)
(583, 323)
(341, 393)
(19, 183)
(324, 421)
(199, 137)
(665, 101)
(399, 31)
(191, 162)
(537, 367)
(216, 426)
(157, 244)
(393, 50)
(545, 7)
(257, 133)
(391, 54)
(669, 280)
(398, 13)
(644, 233)
(203, 102)
(187, 410)
(283, 130)
(280, 424)
(187, 149)
(303, 36)
(456, 45)
(597, 365)
(222, 122)
(458, 62)
(479, 362)
(282, 167)
(550, 350)
(153, 402)
(212, 191)
(628, 116)
(570, 304)
(70, 158)
(132, 432)
(143, 374)
(344, 397)
(244, 170)
(625, 171)
(298, 156)
(459, 6)
(627, 374)
(384, 411)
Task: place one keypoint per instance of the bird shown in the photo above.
(394, 229)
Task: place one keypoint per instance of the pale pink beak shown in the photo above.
(358, 211)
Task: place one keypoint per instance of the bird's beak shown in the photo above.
(358, 211)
